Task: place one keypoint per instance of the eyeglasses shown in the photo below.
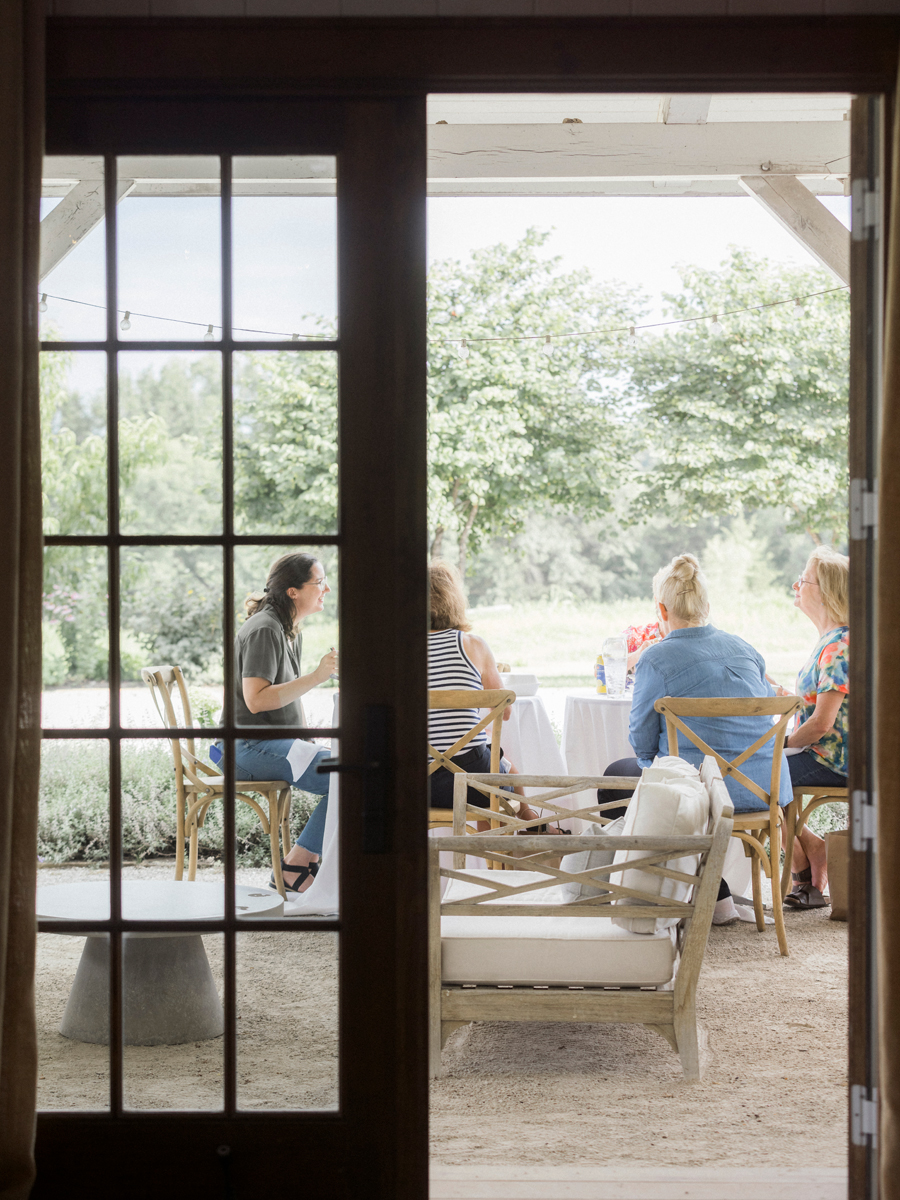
(319, 583)
(798, 584)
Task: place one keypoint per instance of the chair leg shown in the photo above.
(688, 1039)
(756, 877)
(179, 838)
(792, 818)
(284, 802)
(192, 859)
(274, 829)
(777, 905)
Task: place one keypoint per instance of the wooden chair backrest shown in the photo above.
(673, 708)
(710, 847)
(162, 682)
(496, 701)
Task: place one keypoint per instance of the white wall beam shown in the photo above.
(79, 211)
(796, 209)
(685, 110)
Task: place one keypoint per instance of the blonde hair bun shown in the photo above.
(681, 587)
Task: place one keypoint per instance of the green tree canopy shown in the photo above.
(754, 413)
(512, 430)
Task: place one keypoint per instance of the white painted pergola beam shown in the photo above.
(798, 211)
(79, 211)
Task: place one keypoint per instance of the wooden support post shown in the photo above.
(804, 217)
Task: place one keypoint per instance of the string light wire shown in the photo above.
(464, 342)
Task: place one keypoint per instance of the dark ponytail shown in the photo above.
(289, 571)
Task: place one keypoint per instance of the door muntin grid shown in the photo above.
(116, 542)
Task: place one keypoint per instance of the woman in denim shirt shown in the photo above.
(696, 659)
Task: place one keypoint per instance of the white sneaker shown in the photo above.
(747, 914)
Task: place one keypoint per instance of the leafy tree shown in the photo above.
(751, 412)
(512, 430)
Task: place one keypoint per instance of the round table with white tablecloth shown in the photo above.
(595, 734)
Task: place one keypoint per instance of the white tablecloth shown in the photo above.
(528, 739)
(595, 734)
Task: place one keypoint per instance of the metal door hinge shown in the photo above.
(864, 820)
(863, 1116)
(863, 508)
(865, 207)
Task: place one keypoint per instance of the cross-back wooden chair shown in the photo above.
(668, 1009)
(754, 829)
(197, 784)
(496, 701)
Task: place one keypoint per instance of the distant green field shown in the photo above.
(560, 642)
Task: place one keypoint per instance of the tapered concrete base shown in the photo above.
(169, 995)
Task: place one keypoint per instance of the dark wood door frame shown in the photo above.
(191, 79)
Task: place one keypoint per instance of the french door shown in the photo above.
(262, 1128)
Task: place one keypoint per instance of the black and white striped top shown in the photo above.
(450, 667)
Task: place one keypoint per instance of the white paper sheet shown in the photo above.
(301, 755)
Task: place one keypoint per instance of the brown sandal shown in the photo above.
(804, 894)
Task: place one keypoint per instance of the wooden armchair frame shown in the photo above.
(754, 829)
(496, 701)
(197, 784)
(669, 1009)
(818, 795)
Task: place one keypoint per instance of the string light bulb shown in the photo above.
(125, 323)
(716, 328)
(208, 336)
(463, 351)
(799, 309)
(547, 348)
(295, 337)
(632, 335)
(42, 307)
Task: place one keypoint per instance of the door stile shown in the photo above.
(866, 316)
(384, 596)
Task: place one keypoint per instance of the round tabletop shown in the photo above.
(154, 899)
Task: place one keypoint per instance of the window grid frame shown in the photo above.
(113, 733)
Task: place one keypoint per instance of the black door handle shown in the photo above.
(376, 772)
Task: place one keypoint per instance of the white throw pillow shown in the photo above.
(679, 808)
(666, 767)
(587, 860)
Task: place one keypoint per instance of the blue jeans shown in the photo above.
(807, 769)
(266, 758)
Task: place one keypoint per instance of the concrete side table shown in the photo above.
(169, 995)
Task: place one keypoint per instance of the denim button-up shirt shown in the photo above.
(704, 661)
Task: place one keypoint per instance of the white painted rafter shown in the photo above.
(808, 220)
(79, 211)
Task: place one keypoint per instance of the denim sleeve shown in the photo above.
(644, 724)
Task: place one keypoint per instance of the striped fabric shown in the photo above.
(450, 667)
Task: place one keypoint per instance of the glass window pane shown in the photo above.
(169, 249)
(73, 249)
(317, 631)
(287, 1008)
(73, 441)
(73, 854)
(284, 219)
(171, 616)
(75, 639)
(285, 442)
(170, 442)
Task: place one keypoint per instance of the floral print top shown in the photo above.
(639, 635)
(826, 670)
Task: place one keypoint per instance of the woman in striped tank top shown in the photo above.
(458, 658)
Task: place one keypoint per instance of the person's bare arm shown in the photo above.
(262, 696)
(483, 659)
(821, 721)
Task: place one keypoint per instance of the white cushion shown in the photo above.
(679, 808)
(562, 951)
(586, 860)
(665, 766)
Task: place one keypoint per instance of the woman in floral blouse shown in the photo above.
(821, 593)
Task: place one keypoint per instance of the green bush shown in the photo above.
(74, 807)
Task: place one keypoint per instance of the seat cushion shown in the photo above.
(561, 951)
(679, 808)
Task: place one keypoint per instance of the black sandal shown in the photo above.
(303, 873)
(538, 829)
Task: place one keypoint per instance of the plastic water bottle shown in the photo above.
(600, 675)
(615, 661)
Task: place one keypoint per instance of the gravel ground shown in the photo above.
(553, 1093)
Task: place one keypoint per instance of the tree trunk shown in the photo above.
(464, 538)
(437, 544)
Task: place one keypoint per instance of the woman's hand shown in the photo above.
(328, 666)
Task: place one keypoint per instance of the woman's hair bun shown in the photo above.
(681, 587)
(685, 567)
